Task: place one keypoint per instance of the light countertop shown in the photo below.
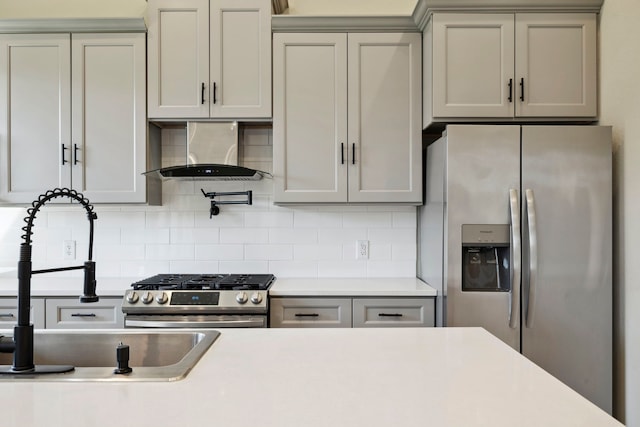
(351, 287)
(323, 377)
(116, 286)
(66, 286)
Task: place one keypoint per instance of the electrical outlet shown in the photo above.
(362, 249)
(69, 250)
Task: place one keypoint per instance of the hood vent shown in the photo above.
(209, 172)
(211, 154)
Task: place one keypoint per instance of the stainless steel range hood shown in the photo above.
(211, 154)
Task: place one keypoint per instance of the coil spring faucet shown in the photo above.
(22, 345)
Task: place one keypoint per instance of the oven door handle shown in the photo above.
(228, 323)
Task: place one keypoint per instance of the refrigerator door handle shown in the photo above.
(514, 302)
(533, 256)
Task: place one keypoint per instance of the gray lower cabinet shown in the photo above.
(312, 312)
(393, 312)
(9, 312)
(70, 313)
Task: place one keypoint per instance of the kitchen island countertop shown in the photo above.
(323, 377)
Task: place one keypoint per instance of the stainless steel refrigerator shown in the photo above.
(515, 233)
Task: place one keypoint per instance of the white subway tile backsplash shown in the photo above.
(169, 219)
(268, 252)
(317, 252)
(180, 236)
(367, 220)
(293, 235)
(342, 269)
(268, 219)
(306, 219)
(392, 235)
(142, 235)
(133, 252)
(391, 269)
(244, 267)
(169, 252)
(342, 236)
(244, 235)
(143, 268)
(293, 268)
(194, 235)
(219, 252)
(193, 267)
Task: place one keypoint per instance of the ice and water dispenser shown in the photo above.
(486, 257)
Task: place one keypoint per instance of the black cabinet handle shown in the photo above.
(64, 160)
(522, 89)
(7, 315)
(510, 90)
(202, 93)
(83, 315)
(342, 153)
(389, 314)
(307, 315)
(75, 154)
(215, 89)
(353, 154)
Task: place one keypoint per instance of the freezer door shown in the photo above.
(482, 181)
(567, 259)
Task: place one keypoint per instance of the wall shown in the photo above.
(619, 95)
(179, 236)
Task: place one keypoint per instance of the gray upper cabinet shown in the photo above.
(346, 125)
(72, 114)
(209, 59)
(510, 66)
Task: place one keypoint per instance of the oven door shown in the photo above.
(195, 321)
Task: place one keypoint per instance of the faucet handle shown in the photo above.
(89, 292)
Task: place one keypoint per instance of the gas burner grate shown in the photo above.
(205, 282)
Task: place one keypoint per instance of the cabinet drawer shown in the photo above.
(396, 312)
(9, 313)
(310, 313)
(69, 313)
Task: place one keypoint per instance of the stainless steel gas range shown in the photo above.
(198, 301)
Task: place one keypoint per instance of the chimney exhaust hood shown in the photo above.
(211, 154)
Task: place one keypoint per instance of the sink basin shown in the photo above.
(157, 355)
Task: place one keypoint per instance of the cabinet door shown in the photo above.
(108, 154)
(310, 313)
(310, 117)
(178, 61)
(69, 313)
(35, 115)
(240, 58)
(385, 113)
(473, 56)
(556, 64)
(9, 312)
(393, 312)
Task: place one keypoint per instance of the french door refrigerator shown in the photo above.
(515, 233)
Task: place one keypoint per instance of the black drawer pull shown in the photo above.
(83, 315)
(307, 315)
(7, 315)
(389, 314)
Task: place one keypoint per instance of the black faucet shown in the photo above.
(22, 346)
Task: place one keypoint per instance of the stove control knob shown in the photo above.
(132, 297)
(242, 297)
(147, 298)
(162, 298)
(256, 298)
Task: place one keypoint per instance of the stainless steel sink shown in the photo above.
(156, 355)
